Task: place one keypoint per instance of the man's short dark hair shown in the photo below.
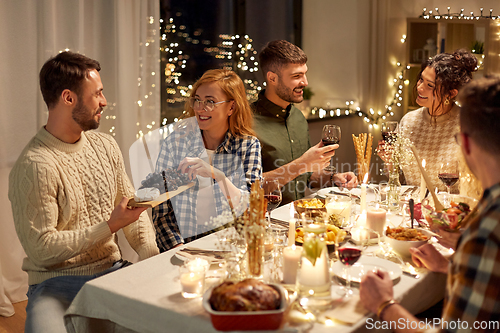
(480, 112)
(67, 70)
(279, 53)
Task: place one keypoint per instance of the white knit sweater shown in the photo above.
(62, 196)
(434, 142)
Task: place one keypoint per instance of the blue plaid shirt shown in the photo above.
(239, 158)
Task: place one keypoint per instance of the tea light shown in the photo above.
(192, 277)
(375, 219)
(423, 186)
(192, 284)
(291, 257)
(291, 227)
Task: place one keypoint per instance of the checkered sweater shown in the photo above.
(62, 196)
(434, 142)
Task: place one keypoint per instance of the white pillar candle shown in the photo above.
(291, 227)
(375, 219)
(363, 194)
(314, 276)
(423, 186)
(291, 257)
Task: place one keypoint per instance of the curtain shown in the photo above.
(123, 35)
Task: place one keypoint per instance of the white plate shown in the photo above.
(324, 191)
(365, 264)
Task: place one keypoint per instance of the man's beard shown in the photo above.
(286, 93)
(84, 116)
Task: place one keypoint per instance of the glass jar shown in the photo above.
(313, 276)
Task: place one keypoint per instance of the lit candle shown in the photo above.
(363, 194)
(291, 227)
(291, 257)
(375, 219)
(315, 276)
(192, 283)
(340, 206)
(423, 187)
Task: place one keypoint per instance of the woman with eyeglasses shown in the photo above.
(216, 147)
(432, 127)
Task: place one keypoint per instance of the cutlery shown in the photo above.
(410, 190)
(345, 194)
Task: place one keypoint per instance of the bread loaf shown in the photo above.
(246, 295)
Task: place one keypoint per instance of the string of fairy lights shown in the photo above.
(237, 53)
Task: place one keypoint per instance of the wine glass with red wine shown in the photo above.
(272, 193)
(389, 131)
(349, 253)
(448, 174)
(331, 136)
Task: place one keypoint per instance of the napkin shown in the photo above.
(347, 311)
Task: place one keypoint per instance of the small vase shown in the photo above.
(313, 276)
(394, 189)
(255, 250)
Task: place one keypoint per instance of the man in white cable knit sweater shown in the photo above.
(69, 192)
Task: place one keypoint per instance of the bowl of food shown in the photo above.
(332, 232)
(401, 240)
(247, 305)
(310, 207)
(457, 207)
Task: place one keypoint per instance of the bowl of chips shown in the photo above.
(332, 233)
(310, 207)
(401, 240)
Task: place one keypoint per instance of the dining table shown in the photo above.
(146, 296)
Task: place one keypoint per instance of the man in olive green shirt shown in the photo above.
(282, 129)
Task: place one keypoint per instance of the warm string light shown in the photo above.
(460, 16)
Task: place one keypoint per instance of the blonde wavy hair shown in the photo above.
(241, 120)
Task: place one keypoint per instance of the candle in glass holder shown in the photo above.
(192, 277)
(291, 257)
(340, 205)
(375, 219)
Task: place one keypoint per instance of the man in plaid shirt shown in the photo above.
(472, 300)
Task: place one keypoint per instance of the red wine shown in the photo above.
(273, 201)
(330, 141)
(349, 256)
(389, 136)
(449, 179)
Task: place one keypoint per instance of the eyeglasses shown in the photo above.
(207, 105)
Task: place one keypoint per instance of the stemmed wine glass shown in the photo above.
(331, 136)
(272, 193)
(448, 174)
(349, 253)
(389, 131)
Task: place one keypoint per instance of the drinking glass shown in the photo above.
(383, 188)
(331, 136)
(448, 174)
(272, 193)
(389, 131)
(349, 253)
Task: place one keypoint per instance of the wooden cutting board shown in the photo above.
(162, 198)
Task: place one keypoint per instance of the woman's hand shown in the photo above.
(195, 166)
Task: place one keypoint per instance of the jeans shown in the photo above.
(49, 300)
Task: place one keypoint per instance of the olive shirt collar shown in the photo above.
(267, 108)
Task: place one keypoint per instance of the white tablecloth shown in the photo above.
(146, 297)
